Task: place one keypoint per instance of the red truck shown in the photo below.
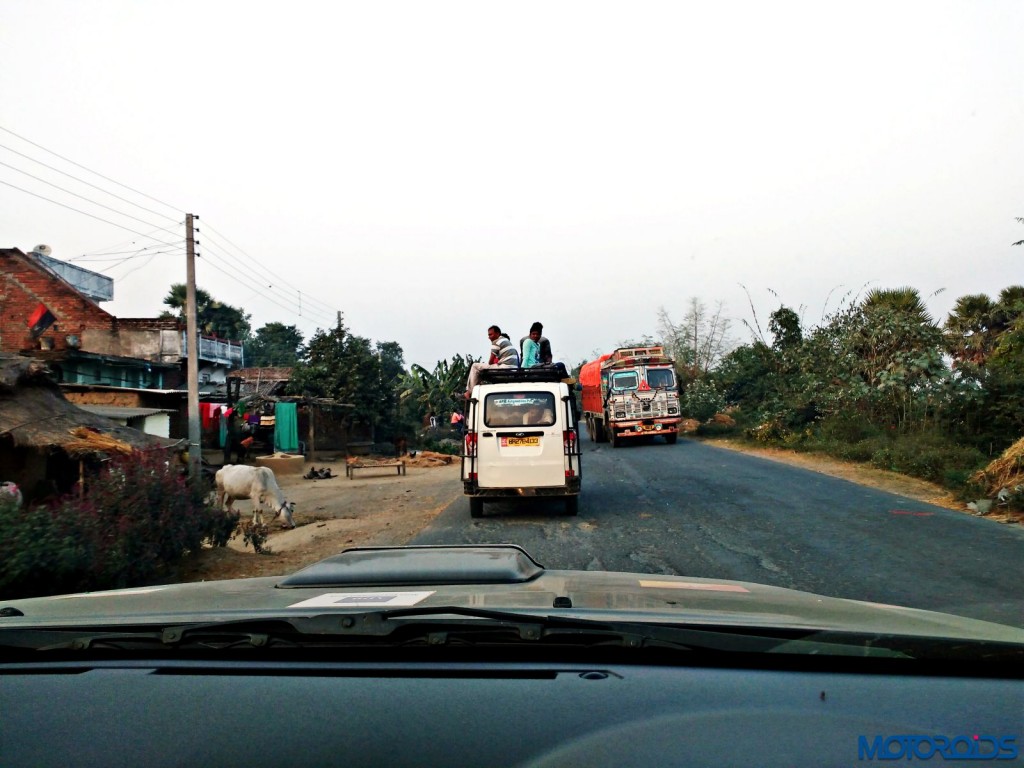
(629, 393)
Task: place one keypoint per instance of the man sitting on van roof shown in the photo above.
(544, 356)
(502, 352)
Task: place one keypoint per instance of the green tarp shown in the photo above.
(286, 427)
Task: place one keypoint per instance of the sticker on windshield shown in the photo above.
(359, 599)
(692, 585)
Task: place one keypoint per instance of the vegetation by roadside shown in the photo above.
(138, 519)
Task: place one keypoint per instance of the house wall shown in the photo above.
(23, 286)
(125, 338)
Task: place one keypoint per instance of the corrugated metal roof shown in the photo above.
(121, 412)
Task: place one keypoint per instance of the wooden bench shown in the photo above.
(351, 467)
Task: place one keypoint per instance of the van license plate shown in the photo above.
(519, 442)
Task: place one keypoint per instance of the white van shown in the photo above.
(521, 438)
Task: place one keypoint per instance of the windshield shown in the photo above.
(624, 380)
(660, 377)
(278, 281)
(519, 409)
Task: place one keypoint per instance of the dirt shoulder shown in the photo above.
(374, 507)
(381, 507)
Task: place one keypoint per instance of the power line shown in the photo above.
(84, 213)
(324, 306)
(124, 242)
(120, 256)
(83, 181)
(261, 288)
(83, 197)
(79, 165)
(260, 291)
(236, 278)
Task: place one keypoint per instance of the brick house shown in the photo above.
(50, 310)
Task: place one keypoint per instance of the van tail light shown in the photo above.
(471, 444)
(569, 441)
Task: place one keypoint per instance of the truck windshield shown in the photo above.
(625, 380)
(515, 409)
(660, 377)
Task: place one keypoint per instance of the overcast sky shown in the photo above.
(430, 168)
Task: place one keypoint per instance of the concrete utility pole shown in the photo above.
(195, 448)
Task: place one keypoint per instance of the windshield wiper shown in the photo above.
(444, 625)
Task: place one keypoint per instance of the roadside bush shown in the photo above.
(701, 400)
(767, 432)
(919, 456)
(447, 441)
(138, 518)
(846, 429)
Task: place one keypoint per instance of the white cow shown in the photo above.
(9, 490)
(240, 481)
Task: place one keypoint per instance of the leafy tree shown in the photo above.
(746, 376)
(439, 390)
(213, 317)
(784, 326)
(275, 344)
(342, 366)
(392, 370)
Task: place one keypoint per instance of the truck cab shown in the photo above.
(521, 438)
(629, 394)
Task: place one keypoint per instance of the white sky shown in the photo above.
(430, 168)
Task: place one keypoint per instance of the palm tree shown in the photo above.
(1009, 307)
(907, 301)
(177, 299)
(970, 329)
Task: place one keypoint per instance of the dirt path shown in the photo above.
(375, 507)
(384, 508)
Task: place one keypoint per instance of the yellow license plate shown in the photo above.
(519, 442)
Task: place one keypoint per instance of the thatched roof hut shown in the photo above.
(45, 441)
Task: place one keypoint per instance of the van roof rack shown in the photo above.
(509, 375)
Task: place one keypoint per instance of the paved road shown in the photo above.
(695, 510)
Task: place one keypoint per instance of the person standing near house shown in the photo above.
(233, 436)
(458, 420)
(502, 352)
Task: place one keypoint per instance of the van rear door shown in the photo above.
(519, 444)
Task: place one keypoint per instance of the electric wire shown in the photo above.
(251, 283)
(323, 305)
(137, 253)
(325, 313)
(211, 262)
(125, 243)
(84, 168)
(83, 197)
(299, 296)
(84, 213)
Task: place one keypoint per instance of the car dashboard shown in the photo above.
(425, 708)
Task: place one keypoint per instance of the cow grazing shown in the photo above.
(240, 481)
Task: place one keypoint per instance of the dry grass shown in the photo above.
(87, 441)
